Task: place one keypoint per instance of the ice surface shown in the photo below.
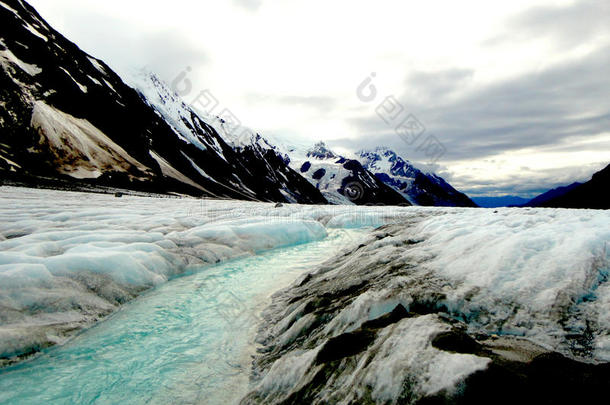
(546, 262)
(408, 348)
(63, 252)
(67, 259)
(189, 341)
(539, 275)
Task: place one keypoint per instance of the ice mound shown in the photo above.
(67, 259)
(552, 266)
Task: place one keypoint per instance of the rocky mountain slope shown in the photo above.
(67, 116)
(339, 179)
(343, 180)
(538, 201)
(593, 194)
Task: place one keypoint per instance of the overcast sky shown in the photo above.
(517, 92)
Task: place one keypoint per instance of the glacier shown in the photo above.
(372, 298)
(67, 258)
(186, 341)
(447, 300)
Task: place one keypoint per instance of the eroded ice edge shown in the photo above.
(68, 259)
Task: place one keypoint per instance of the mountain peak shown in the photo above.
(321, 151)
(416, 185)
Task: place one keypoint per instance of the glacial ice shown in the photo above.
(534, 274)
(67, 259)
(82, 255)
(188, 341)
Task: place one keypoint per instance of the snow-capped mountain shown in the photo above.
(341, 180)
(419, 187)
(268, 174)
(67, 116)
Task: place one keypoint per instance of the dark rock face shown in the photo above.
(319, 174)
(270, 168)
(68, 117)
(305, 167)
(458, 342)
(550, 195)
(369, 190)
(593, 194)
(422, 188)
(547, 378)
(373, 326)
(345, 345)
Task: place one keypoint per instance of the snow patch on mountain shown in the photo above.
(168, 105)
(7, 58)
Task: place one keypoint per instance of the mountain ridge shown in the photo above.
(419, 187)
(70, 118)
(593, 194)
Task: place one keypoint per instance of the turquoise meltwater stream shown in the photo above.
(189, 341)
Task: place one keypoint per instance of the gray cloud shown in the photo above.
(530, 184)
(322, 104)
(166, 52)
(564, 108)
(542, 109)
(432, 86)
(567, 25)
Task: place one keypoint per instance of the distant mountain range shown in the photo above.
(544, 198)
(342, 180)
(595, 193)
(501, 201)
(67, 119)
(417, 186)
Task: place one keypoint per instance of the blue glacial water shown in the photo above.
(189, 341)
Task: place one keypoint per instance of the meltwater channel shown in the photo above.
(189, 341)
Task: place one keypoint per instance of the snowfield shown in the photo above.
(67, 259)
